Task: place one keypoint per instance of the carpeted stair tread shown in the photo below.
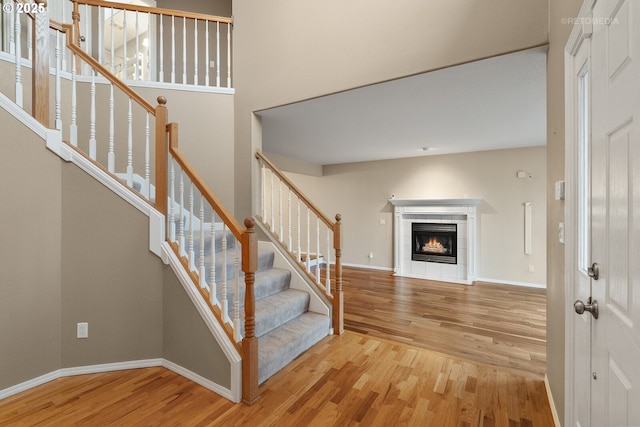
(282, 345)
(267, 282)
(278, 309)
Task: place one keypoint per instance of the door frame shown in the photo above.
(582, 30)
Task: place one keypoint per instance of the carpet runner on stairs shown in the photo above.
(285, 327)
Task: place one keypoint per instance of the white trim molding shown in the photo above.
(552, 405)
(119, 366)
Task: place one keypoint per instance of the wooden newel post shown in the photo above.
(75, 17)
(162, 153)
(250, 341)
(338, 297)
(40, 69)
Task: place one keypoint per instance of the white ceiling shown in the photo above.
(491, 104)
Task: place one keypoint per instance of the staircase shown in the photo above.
(270, 304)
(285, 327)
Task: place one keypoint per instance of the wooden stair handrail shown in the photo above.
(69, 30)
(225, 216)
(156, 10)
(249, 241)
(295, 189)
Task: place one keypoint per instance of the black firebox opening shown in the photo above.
(434, 242)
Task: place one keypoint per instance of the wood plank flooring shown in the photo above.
(356, 379)
(501, 325)
(347, 380)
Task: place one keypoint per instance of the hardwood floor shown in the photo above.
(347, 380)
(356, 379)
(500, 325)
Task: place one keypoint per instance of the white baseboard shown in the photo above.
(513, 283)
(367, 267)
(119, 366)
(554, 412)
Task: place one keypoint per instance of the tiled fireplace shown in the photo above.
(436, 239)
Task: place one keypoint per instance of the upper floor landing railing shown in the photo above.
(138, 43)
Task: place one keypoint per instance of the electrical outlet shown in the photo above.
(212, 64)
(82, 330)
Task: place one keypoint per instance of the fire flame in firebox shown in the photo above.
(434, 246)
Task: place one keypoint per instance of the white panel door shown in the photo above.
(615, 214)
(580, 326)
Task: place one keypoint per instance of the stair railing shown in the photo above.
(308, 236)
(193, 215)
(213, 247)
(128, 38)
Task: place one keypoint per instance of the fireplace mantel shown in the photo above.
(458, 211)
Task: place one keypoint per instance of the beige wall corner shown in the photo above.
(559, 31)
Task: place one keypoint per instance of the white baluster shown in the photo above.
(192, 253)
(236, 301)
(130, 147)
(298, 234)
(92, 123)
(172, 209)
(184, 51)
(18, 30)
(328, 261)
(136, 65)
(88, 47)
(213, 297)
(113, 54)
(225, 301)
(148, 50)
(124, 45)
(100, 36)
(58, 89)
(11, 29)
(173, 49)
(217, 54)
(228, 55)
(111, 157)
(201, 270)
(273, 217)
(289, 217)
(281, 235)
(146, 188)
(181, 217)
(318, 249)
(264, 194)
(195, 54)
(29, 39)
(73, 130)
(308, 240)
(206, 53)
(161, 71)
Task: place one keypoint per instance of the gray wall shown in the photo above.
(360, 192)
(30, 255)
(559, 32)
